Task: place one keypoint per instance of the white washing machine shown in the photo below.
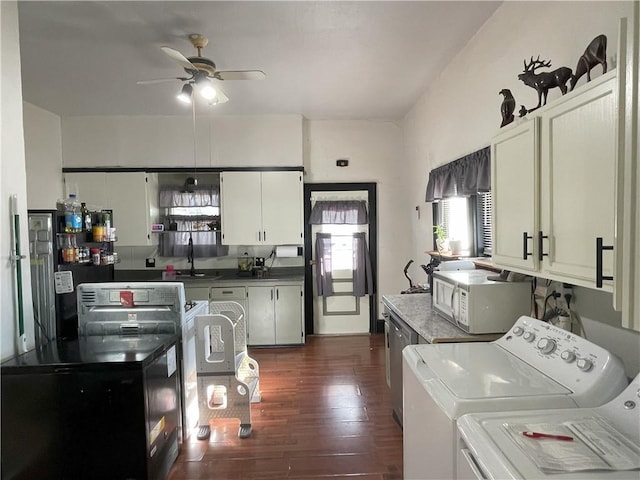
(595, 443)
(534, 365)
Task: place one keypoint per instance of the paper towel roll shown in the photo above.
(286, 251)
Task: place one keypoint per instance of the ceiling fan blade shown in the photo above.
(160, 80)
(241, 75)
(178, 57)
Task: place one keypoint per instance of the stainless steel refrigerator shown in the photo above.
(55, 314)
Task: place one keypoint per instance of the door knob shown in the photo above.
(312, 262)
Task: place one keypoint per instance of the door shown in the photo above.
(514, 170)
(342, 312)
(578, 166)
(241, 208)
(282, 208)
(288, 314)
(262, 330)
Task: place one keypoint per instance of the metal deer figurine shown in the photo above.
(542, 82)
(596, 53)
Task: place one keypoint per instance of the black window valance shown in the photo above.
(468, 175)
(339, 212)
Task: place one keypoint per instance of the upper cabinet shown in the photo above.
(515, 192)
(566, 183)
(578, 161)
(554, 178)
(132, 196)
(262, 208)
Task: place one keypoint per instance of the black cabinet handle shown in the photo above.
(525, 237)
(540, 238)
(600, 247)
(264, 235)
(259, 235)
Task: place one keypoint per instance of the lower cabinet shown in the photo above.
(276, 315)
(196, 293)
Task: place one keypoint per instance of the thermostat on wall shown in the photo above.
(157, 227)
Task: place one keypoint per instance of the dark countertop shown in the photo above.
(417, 312)
(95, 352)
(222, 277)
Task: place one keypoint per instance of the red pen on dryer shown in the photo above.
(564, 438)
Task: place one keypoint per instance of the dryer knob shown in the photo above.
(568, 356)
(546, 345)
(584, 364)
(529, 336)
(517, 331)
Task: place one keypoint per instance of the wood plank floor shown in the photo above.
(325, 412)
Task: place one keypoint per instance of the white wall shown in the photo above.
(374, 150)
(168, 141)
(12, 181)
(43, 156)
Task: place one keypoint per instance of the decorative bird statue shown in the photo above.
(523, 111)
(507, 107)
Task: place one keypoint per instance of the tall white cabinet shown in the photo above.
(262, 208)
(133, 197)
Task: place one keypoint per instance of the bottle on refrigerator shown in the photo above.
(72, 214)
(86, 218)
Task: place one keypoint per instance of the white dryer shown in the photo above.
(595, 443)
(534, 365)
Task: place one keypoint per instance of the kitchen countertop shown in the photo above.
(222, 277)
(417, 312)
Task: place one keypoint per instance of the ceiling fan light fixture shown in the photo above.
(208, 92)
(185, 94)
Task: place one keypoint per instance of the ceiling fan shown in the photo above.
(203, 74)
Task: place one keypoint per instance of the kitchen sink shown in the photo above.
(198, 276)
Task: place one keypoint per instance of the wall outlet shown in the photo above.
(150, 262)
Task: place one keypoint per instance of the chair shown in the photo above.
(228, 379)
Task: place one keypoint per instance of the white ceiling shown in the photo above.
(328, 59)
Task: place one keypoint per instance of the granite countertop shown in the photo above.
(223, 277)
(417, 312)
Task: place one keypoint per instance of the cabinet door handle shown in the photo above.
(540, 238)
(264, 235)
(259, 236)
(600, 247)
(272, 295)
(525, 237)
(277, 294)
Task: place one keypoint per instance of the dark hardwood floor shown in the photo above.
(325, 412)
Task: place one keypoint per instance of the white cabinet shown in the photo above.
(578, 180)
(262, 208)
(133, 197)
(193, 293)
(276, 314)
(627, 277)
(515, 181)
(554, 187)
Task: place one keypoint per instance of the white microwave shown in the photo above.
(475, 304)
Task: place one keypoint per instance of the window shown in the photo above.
(467, 219)
(192, 221)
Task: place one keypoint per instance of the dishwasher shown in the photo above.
(400, 335)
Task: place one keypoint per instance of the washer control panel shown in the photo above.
(569, 359)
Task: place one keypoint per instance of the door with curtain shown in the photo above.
(341, 267)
